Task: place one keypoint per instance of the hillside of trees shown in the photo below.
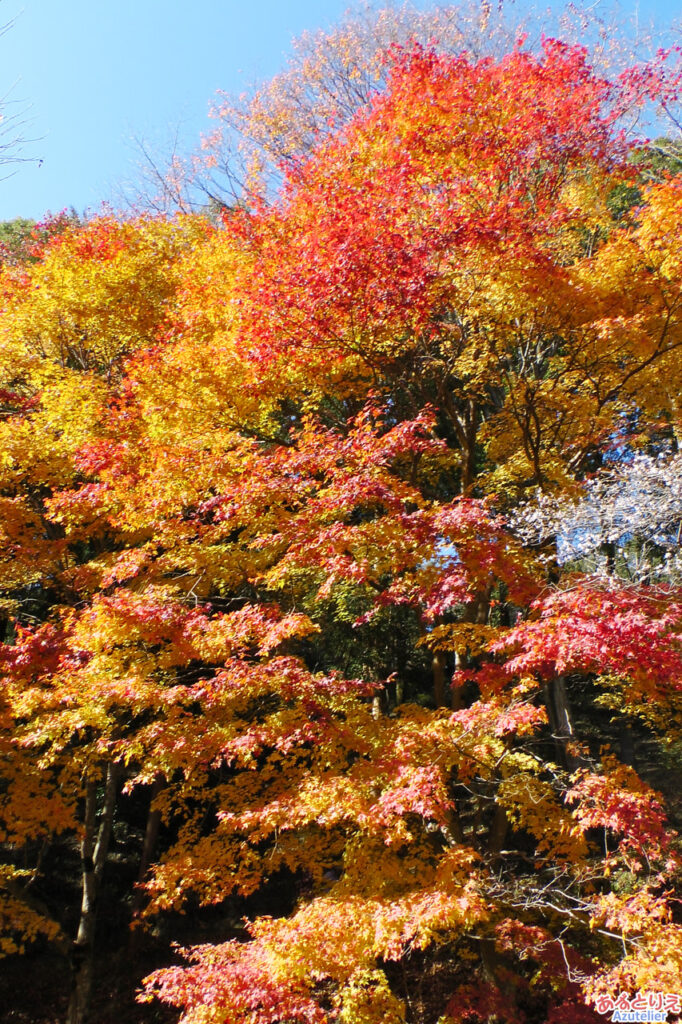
(340, 575)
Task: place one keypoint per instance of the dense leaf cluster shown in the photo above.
(271, 569)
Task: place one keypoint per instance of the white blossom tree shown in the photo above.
(628, 520)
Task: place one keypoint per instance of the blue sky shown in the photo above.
(96, 73)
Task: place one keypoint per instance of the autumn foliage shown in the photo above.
(261, 484)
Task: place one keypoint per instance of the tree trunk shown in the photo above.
(93, 855)
(457, 697)
(608, 550)
(151, 836)
(438, 665)
(465, 422)
(559, 712)
(452, 830)
(478, 613)
(497, 834)
(627, 743)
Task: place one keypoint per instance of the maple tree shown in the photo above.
(330, 75)
(87, 297)
(267, 566)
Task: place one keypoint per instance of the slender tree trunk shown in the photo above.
(498, 833)
(465, 422)
(457, 697)
(627, 743)
(151, 836)
(438, 665)
(452, 831)
(494, 973)
(476, 612)
(93, 856)
(499, 826)
(608, 549)
(560, 720)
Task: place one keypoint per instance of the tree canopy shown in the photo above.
(285, 504)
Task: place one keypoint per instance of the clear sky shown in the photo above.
(97, 73)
